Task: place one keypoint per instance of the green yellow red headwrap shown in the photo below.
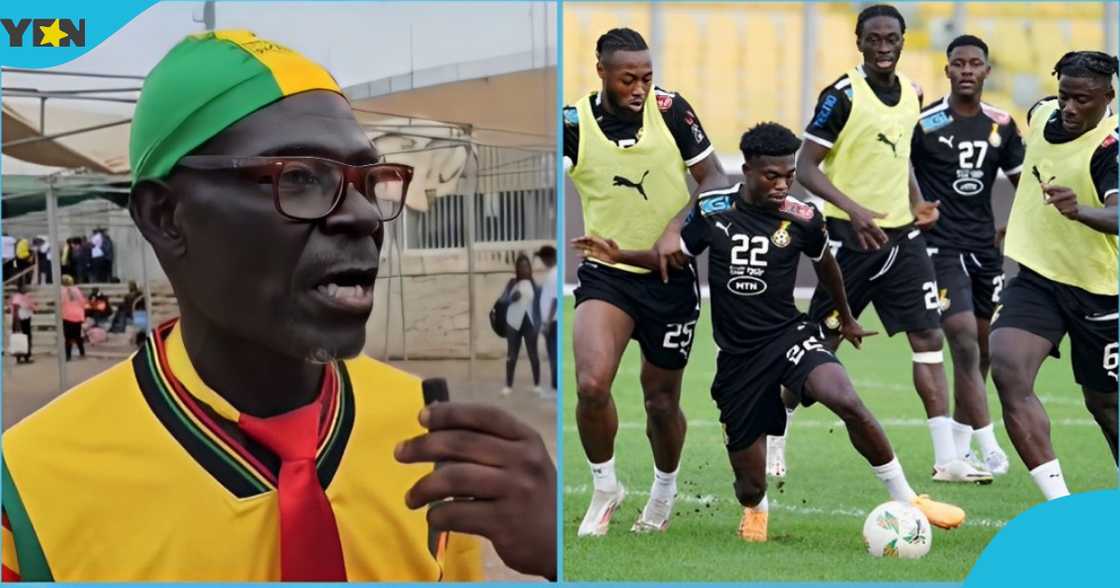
(206, 83)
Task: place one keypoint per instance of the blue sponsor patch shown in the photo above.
(935, 121)
(714, 205)
(825, 111)
(571, 116)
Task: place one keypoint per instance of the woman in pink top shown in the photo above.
(73, 315)
(22, 310)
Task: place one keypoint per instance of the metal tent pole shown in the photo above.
(148, 306)
(56, 275)
(810, 23)
(471, 197)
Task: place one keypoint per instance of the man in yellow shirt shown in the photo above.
(1062, 231)
(249, 440)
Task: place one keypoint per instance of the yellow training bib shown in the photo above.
(870, 161)
(1038, 236)
(629, 194)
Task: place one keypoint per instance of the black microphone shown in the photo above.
(435, 390)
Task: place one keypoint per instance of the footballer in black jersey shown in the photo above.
(756, 233)
(959, 146)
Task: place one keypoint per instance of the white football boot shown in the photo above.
(960, 471)
(655, 516)
(603, 506)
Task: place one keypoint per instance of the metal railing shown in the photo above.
(515, 200)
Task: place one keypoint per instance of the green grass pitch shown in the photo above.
(817, 514)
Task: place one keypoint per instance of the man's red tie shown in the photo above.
(310, 550)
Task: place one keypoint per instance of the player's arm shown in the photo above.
(499, 478)
(592, 246)
(1104, 169)
(832, 278)
(699, 155)
(925, 213)
(1099, 219)
(829, 118)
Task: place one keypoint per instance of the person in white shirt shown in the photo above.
(9, 255)
(547, 305)
(522, 321)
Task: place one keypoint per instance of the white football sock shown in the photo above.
(986, 439)
(962, 438)
(1048, 477)
(602, 475)
(664, 484)
(894, 479)
(941, 430)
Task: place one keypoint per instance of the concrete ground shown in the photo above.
(28, 387)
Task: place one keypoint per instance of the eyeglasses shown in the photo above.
(311, 188)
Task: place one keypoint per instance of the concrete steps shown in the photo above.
(117, 345)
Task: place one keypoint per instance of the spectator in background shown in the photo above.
(81, 259)
(67, 266)
(9, 256)
(97, 306)
(24, 260)
(97, 256)
(106, 269)
(42, 247)
(547, 308)
(133, 303)
(23, 308)
(73, 315)
(522, 320)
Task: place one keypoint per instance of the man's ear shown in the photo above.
(153, 205)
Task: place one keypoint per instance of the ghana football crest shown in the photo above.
(781, 237)
(943, 300)
(832, 321)
(993, 138)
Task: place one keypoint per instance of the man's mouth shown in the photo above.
(884, 62)
(350, 289)
(1070, 123)
(967, 84)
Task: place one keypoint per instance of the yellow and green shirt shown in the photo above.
(136, 475)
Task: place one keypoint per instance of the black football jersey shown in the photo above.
(752, 263)
(956, 160)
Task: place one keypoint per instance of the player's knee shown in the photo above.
(966, 352)
(593, 390)
(927, 340)
(1007, 374)
(661, 406)
(749, 492)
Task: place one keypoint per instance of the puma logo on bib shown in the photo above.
(621, 181)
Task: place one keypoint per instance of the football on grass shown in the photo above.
(897, 530)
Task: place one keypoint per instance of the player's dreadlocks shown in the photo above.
(621, 39)
(768, 138)
(967, 41)
(1080, 64)
(879, 10)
